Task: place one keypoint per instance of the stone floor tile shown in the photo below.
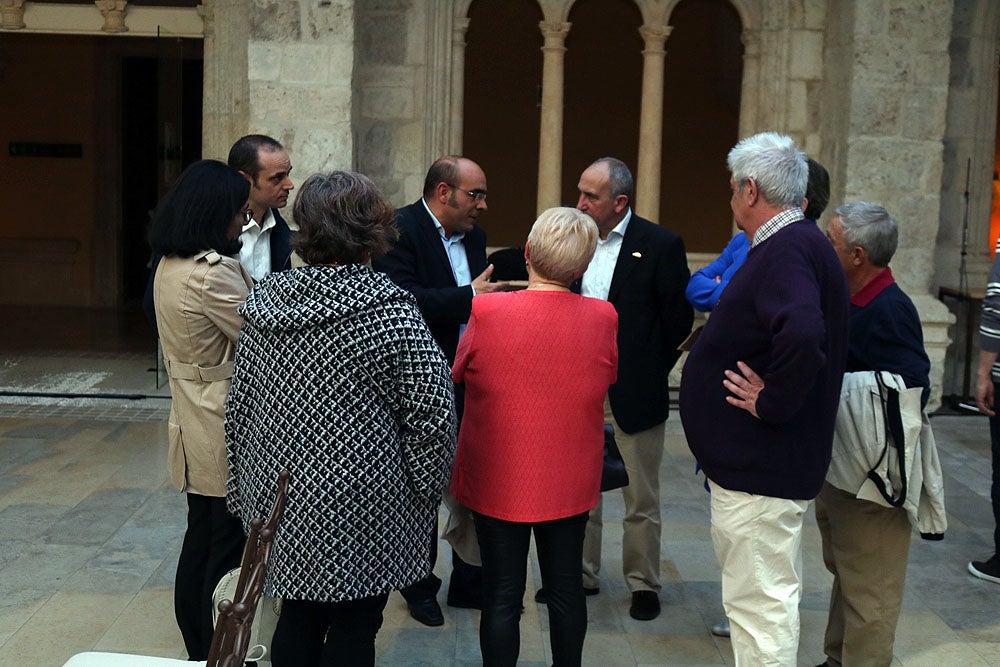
(607, 649)
(17, 608)
(78, 620)
(666, 649)
(161, 639)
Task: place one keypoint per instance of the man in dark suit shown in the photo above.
(441, 258)
(641, 268)
(266, 238)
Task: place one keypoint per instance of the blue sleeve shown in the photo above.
(703, 291)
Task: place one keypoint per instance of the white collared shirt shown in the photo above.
(455, 250)
(597, 279)
(255, 255)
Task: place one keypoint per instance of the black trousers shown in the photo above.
(995, 488)
(324, 634)
(504, 549)
(213, 545)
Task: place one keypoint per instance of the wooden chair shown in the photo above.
(231, 639)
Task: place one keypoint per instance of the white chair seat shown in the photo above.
(96, 659)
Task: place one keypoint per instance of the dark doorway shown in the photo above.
(603, 88)
(161, 134)
(503, 77)
(703, 73)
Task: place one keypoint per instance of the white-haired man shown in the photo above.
(759, 396)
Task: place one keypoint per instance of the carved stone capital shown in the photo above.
(458, 30)
(113, 12)
(654, 36)
(11, 14)
(555, 34)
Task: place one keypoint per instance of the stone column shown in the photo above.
(225, 102)
(11, 14)
(647, 198)
(749, 88)
(458, 30)
(551, 131)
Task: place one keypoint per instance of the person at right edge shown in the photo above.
(866, 529)
(987, 388)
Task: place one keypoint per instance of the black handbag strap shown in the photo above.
(894, 437)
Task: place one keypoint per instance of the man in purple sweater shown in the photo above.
(759, 396)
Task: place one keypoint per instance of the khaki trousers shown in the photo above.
(865, 546)
(758, 540)
(642, 453)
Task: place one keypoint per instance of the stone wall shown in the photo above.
(887, 99)
(966, 187)
(296, 79)
(390, 104)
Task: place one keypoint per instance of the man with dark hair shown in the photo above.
(266, 238)
(440, 257)
(641, 269)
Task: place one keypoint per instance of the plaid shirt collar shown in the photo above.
(783, 219)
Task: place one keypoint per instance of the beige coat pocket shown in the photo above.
(176, 461)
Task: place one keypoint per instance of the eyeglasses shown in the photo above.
(478, 195)
(247, 216)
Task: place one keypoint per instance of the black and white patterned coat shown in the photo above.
(338, 380)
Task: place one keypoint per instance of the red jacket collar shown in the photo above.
(867, 293)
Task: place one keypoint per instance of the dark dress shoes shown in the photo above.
(645, 605)
(426, 611)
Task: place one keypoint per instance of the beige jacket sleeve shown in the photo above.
(225, 287)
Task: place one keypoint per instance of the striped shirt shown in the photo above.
(989, 325)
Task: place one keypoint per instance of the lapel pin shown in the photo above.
(637, 254)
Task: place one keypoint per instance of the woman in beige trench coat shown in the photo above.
(196, 290)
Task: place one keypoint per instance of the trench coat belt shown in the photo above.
(180, 371)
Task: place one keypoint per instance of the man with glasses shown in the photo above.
(440, 258)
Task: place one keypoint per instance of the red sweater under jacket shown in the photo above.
(536, 367)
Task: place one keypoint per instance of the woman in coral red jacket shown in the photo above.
(536, 366)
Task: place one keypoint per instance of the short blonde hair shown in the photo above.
(561, 244)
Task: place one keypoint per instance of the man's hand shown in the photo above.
(984, 383)
(482, 285)
(746, 387)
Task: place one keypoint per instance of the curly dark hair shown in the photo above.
(198, 210)
(343, 219)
